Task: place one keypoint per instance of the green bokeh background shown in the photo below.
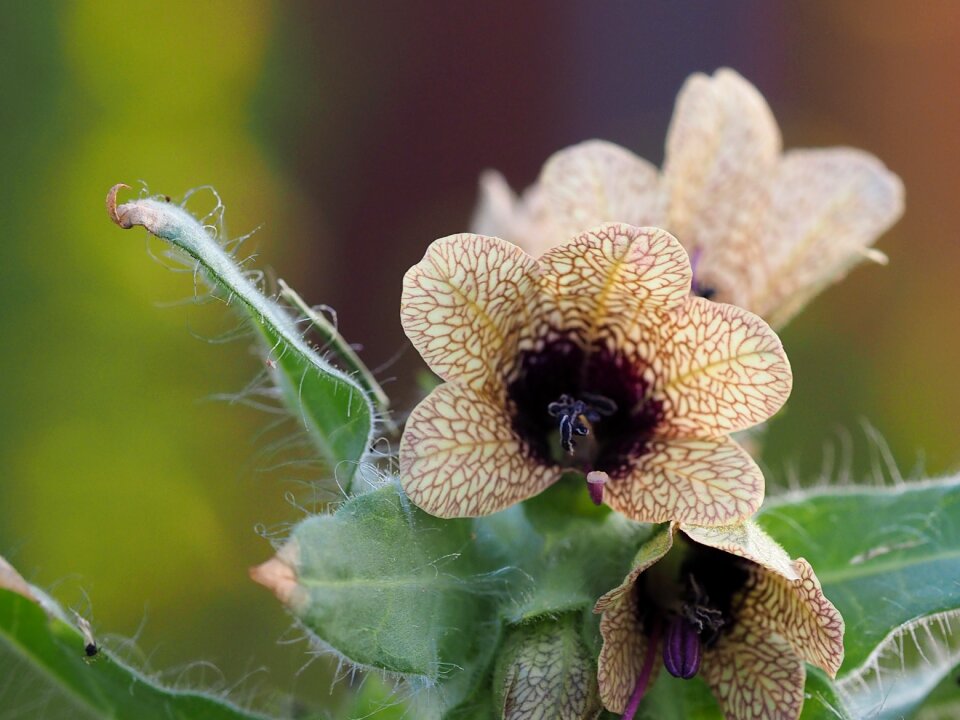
(353, 134)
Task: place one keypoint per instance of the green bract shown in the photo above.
(334, 408)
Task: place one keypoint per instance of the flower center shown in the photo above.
(561, 392)
(688, 596)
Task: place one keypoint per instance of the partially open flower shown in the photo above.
(726, 603)
(593, 358)
(766, 230)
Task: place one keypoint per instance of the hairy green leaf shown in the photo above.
(48, 652)
(334, 408)
(393, 588)
(883, 555)
(905, 668)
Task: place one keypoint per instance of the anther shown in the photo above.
(575, 415)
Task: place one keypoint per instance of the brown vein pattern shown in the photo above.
(463, 305)
(474, 302)
(459, 458)
(755, 677)
(704, 482)
(552, 678)
(747, 540)
(798, 611)
(604, 283)
(723, 370)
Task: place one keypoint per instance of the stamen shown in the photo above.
(701, 613)
(681, 648)
(574, 415)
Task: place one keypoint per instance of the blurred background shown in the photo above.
(351, 135)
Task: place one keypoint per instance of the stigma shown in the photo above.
(682, 648)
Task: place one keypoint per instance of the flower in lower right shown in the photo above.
(726, 603)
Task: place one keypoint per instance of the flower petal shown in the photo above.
(464, 303)
(653, 548)
(598, 182)
(602, 283)
(624, 640)
(702, 482)
(459, 456)
(521, 220)
(798, 611)
(722, 142)
(721, 369)
(826, 208)
(755, 676)
(747, 540)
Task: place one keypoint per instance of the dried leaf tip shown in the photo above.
(10, 579)
(112, 205)
(279, 575)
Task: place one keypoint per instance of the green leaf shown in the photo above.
(944, 702)
(50, 652)
(883, 555)
(673, 699)
(334, 408)
(905, 668)
(393, 588)
(544, 670)
(566, 554)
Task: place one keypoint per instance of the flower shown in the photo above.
(726, 603)
(766, 230)
(594, 358)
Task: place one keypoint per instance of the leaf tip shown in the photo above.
(115, 214)
(10, 579)
(279, 575)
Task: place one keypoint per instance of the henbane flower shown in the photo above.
(594, 358)
(766, 230)
(726, 603)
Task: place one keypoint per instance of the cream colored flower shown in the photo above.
(597, 358)
(765, 230)
(728, 604)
